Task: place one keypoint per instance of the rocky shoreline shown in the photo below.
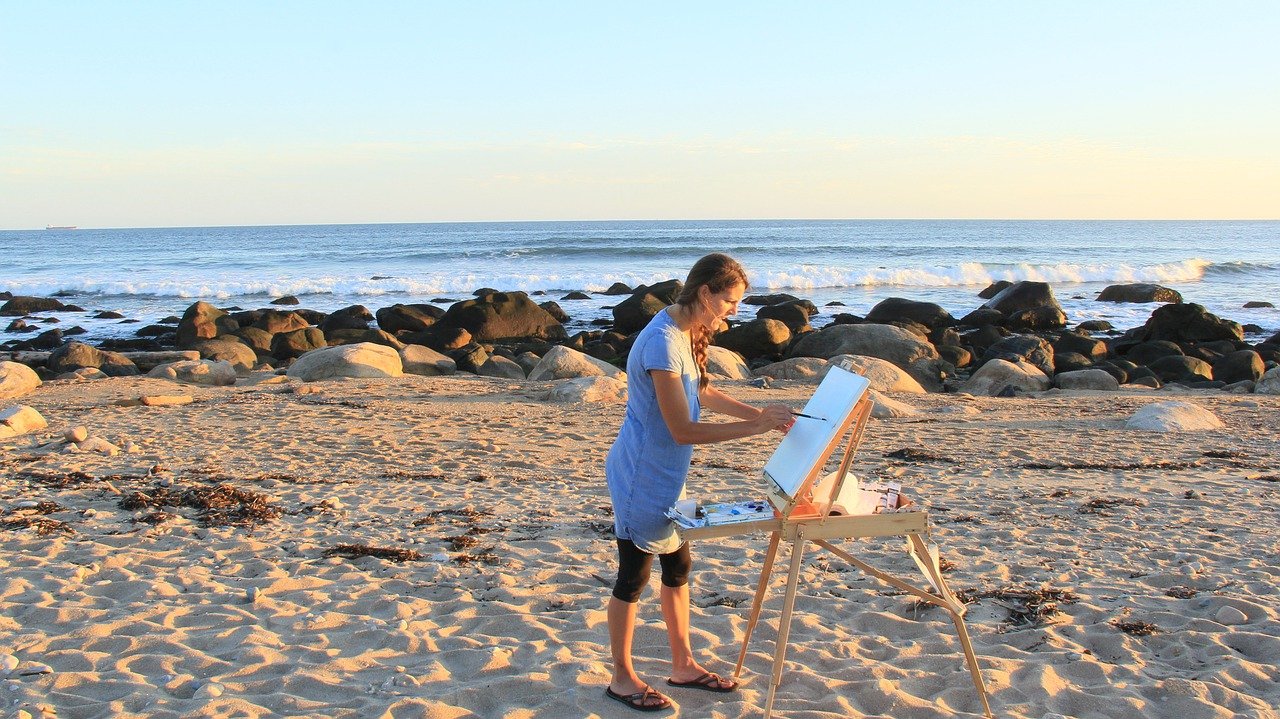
(1018, 341)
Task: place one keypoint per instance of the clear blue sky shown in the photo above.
(176, 113)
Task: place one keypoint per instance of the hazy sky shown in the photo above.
(177, 113)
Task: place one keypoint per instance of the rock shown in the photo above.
(21, 305)
(795, 315)
(1182, 323)
(757, 338)
(76, 434)
(1180, 368)
(288, 345)
(1257, 304)
(894, 344)
(1095, 326)
(982, 317)
(1139, 292)
(210, 690)
(440, 339)
(355, 317)
(1070, 362)
(355, 336)
(896, 309)
(19, 420)
(1024, 295)
(617, 288)
(408, 318)
(76, 355)
(555, 310)
(227, 349)
(255, 339)
(166, 400)
(632, 314)
(364, 359)
(420, 360)
(277, 321)
(773, 299)
(1093, 379)
(994, 376)
(1173, 417)
(99, 445)
(885, 408)
(605, 390)
(883, 375)
(499, 366)
(8, 663)
(147, 361)
(1230, 616)
(574, 295)
(957, 356)
(1044, 317)
(994, 289)
(1029, 348)
(202, 321)
(1239, 366)
(1269, 384)
(285, 300)
(502, 316)
(800, 369)
(17, 380)
(562, 362)
(726, 363)
(1145, 353)
(213, 373)
(469, 358)
(1094, 350)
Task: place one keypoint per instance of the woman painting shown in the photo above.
(667, 388)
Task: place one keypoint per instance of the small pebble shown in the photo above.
(251, 595)
(77, 434)
(26, 504)
(90, 512)
(210, 690)
(1230, 616)
(35, 668)
(8, 663)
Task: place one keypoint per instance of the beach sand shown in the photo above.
(502, 612)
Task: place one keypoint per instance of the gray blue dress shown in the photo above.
(646, 468)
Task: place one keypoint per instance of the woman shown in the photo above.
(667, 386)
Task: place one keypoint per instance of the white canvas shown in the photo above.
(809, 439)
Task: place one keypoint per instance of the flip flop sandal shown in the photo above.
(709, 682)
(637, 701)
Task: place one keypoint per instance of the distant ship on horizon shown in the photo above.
(59, 227)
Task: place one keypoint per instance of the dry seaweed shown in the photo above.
(911, 454)
(42, 526)
(59, 481)
(1181, 592)
(461, 542)
(1224, 454)
(1027, 607)
(1135, 628)
(1099, 506)
(219, 506)
(1268, 478)
(1110, 465)
(485, 556)
(412, 476)
(155, 518)
(353, 551)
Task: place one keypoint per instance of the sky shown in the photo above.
(149, 114)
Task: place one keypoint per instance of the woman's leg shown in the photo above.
(675, 612)
(633, 575)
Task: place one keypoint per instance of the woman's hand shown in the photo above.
(775, 417)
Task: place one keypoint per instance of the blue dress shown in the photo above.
(646, 468)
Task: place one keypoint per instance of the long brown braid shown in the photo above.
(717, 272)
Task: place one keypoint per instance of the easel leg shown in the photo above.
(972, 660)
(756, 603)
(784, 624)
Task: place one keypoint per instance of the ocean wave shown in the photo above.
(979, 274)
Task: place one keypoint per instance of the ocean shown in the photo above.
(150, 273)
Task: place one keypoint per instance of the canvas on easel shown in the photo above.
(812, 508)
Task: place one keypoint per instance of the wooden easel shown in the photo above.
(804, 515)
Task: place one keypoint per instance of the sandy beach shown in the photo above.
(1104, 563)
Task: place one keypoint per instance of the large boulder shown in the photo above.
(276, 321)
(502, 316)
(257, 339)
(202, 321)
(1239, 366)
(633, 313)
(213, 373)
(288, 345)
(796, 369)
(440, 339)
(20, 305)
(420, 360)
(17, 380)
(564, 363)
(501, 367)
(241, 356)
(76, 355)
(1188, 322)
(773, 299)
(19, 420)
(1139, 292)
(902, 348)
(1094, 379)
(1044, 317)
(365, 359)
(885, 408)
(1094, 350)
(757, 338)
(1023, 295)
(408, 318)
(997, 376)
(994, 289)
(356, 336)
(1029, 348)
(1173, 417)
(726, 363)
(897, 309)
(1145, 353)
(1181, 368)
(604, 390)
(795, 315)
(355, 317)
(883, 375)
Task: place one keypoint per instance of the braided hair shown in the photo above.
(717, 272)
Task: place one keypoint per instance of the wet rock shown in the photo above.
(502, 316)
(897, 309)
(408, 318)
(632, 314)
(757, 338)
(1139, 292)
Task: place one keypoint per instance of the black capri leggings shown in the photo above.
(634, 565)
